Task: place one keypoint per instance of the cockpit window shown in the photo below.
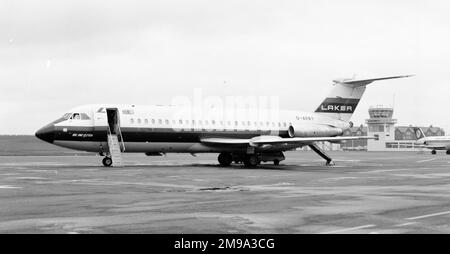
(66, 116)
(85, 117)
(76, 116)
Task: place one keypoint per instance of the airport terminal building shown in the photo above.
(391, 137)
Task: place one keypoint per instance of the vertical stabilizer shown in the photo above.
(341, 103)
(418, 132)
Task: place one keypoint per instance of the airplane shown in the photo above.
(110, 130)
(434, 143)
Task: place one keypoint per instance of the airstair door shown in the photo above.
(115, 139)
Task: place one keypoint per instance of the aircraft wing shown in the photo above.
(267, 140)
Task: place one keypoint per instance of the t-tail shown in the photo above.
(419, 133)
(345, 96)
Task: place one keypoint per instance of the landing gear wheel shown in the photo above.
(276, 162)
(107, 162)
(225, 159)
(433, 152)
(448, 152)
(330, 163)
(251, 161)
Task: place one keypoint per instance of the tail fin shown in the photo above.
(344, 98)
(419, 133)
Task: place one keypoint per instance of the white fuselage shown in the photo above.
(165, 129)
(436, 143)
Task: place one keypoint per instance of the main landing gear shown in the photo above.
(250, 160)
(322, 154)
(225, 159)
(434, 152)
(448, 152)
(107, 162)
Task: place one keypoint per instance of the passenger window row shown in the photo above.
(146, 121)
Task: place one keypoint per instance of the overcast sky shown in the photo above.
(55, 55)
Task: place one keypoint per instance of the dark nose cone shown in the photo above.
(47, 133)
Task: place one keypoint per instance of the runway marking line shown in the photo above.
(386, 170)
(9, 187)
(428, 215)
(426, 160)
(405, 224)
(348, 229)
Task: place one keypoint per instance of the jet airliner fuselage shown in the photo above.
(239, 135)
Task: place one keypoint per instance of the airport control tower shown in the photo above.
(382, 124)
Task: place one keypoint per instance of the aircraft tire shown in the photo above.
(107, 162)
(251, 161)
(433, 152)
(225, 159)
(276, 162)
(448, 152)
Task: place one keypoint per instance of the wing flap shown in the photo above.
(308, 140)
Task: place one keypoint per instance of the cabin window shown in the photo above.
(206, 122)
(167, 122)
(153, 121)
(193, 122)
(159, 121)
(131, 120)
(146, 121)
(186, 122)
(180, 121)
(243, 123)
(139, 121)
(249, 123)
(235, 123)
(213, 122)
(85, 117)
(284, 125)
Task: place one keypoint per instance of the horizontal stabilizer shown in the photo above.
(363, 82)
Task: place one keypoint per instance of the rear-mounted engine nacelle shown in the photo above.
(314, 131)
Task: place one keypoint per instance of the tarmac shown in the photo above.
(365, 192)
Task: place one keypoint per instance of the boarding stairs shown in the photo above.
(115, 150)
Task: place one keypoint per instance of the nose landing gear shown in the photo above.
(107, 162)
